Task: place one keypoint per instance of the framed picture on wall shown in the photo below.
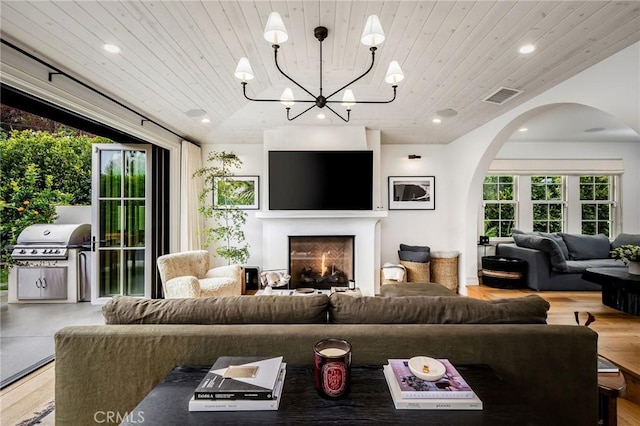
(412, 193)
(237, 191)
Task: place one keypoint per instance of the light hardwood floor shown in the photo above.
(30, 400)
(618, 335)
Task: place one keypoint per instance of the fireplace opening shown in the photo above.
(321, 261)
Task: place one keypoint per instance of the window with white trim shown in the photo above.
(548, 200)
(498, 194)
(596, 198)
(574, 203)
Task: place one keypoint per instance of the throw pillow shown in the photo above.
(414, 256)
(623, 239)
(557, 237)
(414, 248)
(584, 247)
(547, 245)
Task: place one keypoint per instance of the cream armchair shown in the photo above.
(187, 274)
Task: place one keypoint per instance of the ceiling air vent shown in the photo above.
(502, 95)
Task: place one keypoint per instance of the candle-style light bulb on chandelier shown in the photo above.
(276, 33)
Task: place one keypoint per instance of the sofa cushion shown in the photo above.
(579, 266)
(547, 245)
(344, 309)
(310, 309)
(623, 239)
(583, 247)
(414, 256)
(415, 289)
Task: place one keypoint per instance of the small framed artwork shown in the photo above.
(237, 191)
(412, 193)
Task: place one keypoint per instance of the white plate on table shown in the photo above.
(427, 368)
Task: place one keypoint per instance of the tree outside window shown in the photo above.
(547, 194)
(552, 203)
(499, 205)
(596, 197)
(43, 164)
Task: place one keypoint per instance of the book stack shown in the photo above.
(241, 384)
(409, 392)
(606, 366)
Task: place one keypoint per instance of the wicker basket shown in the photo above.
(417, 272)
(444, 269)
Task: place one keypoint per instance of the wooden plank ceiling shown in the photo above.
(179, 56)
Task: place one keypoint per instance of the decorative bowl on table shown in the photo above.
(427, 368)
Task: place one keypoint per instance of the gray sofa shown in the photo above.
(556, 261)
(112, 367)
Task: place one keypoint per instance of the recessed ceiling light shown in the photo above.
(523, 129)
(111, 48)
(321, 116)
(205, 120)
(437, 120)
(527, 48)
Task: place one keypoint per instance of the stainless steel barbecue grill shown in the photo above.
(50, 241)
(52, 263)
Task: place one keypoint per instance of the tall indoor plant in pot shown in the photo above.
(629, 254)
(217, 204)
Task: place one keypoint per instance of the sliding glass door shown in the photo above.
(121, 220)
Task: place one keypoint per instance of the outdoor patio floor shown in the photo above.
(27, 330)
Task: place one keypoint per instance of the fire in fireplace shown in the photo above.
(321, 261)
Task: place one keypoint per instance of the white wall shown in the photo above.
(612, 86)
(418, 227)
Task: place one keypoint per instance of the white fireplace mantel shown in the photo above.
(323, 214)
(279, 225)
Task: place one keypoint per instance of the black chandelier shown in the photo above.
(275, 33)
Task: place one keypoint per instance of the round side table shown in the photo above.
(503, 272)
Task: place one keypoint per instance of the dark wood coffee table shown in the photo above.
(620, 289)
(368, 402)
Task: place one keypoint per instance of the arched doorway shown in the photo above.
(573, 132)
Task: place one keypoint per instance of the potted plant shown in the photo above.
(216, 203)
(630, 255)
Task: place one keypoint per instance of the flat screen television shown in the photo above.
(320, 180)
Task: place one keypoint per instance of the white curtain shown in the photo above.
(191, 222)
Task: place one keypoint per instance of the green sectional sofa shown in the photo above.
(112, 367)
